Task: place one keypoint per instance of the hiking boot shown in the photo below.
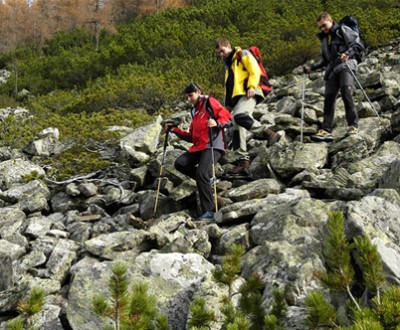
(352, 130)
(322, 136)
(241, 168)
(271, 137)
(208, 216)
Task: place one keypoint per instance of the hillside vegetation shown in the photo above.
(83, 86)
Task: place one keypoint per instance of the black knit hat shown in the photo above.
(192, 88)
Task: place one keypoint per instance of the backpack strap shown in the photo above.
(208, 108)
(217, 129)
(239, 55)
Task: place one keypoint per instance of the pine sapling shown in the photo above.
(279, 305)
(371, 265)
(142, 309)
(118, 286)
(129, 310)
(250, 301)
(320, 312)
(230, 312)
(228, 272)
(240, 323)
(16, 324)
(366, 318)
(340, 274)
(27, 309)
(388, 311)
(200, 315)
(271, 322)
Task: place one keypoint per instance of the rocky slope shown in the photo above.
(65, 237)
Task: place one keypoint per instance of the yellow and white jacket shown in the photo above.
(246, 74)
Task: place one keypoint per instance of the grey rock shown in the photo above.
(88, 189)
(13, 170)
(38, 226)
(61, 259)
(45, 143)
(116, 245)
(390, 259)
(11, 220)
(288, 160)
(253, 190)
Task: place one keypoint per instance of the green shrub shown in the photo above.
(380, 308)
(250, 314)
(27, 309)
(135, 309)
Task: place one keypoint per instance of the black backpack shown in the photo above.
(352, 23)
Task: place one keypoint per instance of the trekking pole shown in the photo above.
(161, 169)
(213, 169)
(366, 96)
(303, 89)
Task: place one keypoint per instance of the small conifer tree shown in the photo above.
(271, 323)
(279, 306)
(136, 310)
(380, 312)
(27, 309)
(228, 272)
(371, 265)
(320, 312)
(251, 301)
(388, 310)
(340, 274)
(118, 287)
(250, 314)
(200, 316)
(278, 313)
(231, 314)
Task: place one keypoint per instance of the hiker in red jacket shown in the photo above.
(207, 114)
(242, 93)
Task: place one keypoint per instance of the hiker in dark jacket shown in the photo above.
(242, 93)
(339, 47)
(197, 161)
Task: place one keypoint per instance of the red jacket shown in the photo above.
(199, 131)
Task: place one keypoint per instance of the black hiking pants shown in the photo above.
(198, 166)
(344, 82)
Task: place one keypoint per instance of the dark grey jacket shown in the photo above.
(343, 40)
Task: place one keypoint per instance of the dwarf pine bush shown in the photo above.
(27, 309)
(135, 309)
(379, 307)
(250, 314)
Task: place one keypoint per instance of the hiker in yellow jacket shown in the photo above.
(242, 93)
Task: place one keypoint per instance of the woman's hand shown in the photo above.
(169, 126)
(212, 123)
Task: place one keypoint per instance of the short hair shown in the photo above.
(192, 88)
(222, 42)
(323, 15)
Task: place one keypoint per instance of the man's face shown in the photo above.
(223, 51)
(325, 24)
(193, 97)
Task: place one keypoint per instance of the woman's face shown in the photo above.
(193, 97)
